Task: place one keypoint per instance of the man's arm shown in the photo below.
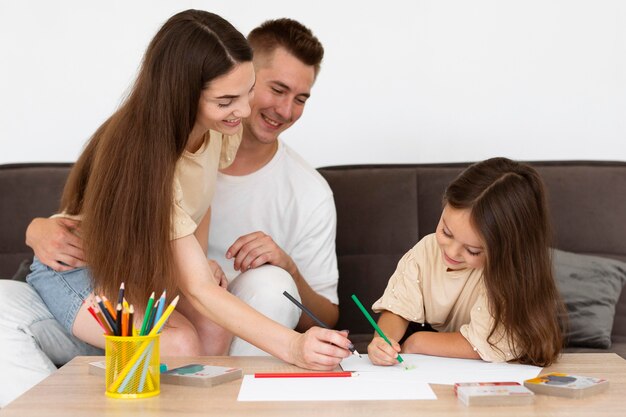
(256, 249)
(321, 306)
(314, 254)
(55, 242)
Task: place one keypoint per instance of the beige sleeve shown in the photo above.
(182, 223)
(230, 144)
(477, 332)
(403, 295)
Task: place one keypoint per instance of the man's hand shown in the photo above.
(256, 249)
(218, 273)
(55, 242)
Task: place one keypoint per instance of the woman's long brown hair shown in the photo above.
(122, 183)
(509, 210)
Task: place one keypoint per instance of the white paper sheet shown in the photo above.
(448, 371)
(365, 386)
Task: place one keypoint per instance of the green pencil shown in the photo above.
(146, 315)
(373, 323)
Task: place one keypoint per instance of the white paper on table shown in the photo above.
(448, 371)
(368, 386)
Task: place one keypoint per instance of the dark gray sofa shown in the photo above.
(383, 210)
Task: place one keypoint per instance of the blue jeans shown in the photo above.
(63, 292)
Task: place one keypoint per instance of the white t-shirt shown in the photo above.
(288, 200)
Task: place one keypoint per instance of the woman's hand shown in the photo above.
(319, 349)
(218, 273)
(381, 353)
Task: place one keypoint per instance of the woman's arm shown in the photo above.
(318, 348)
(202, 232)
(451, 345)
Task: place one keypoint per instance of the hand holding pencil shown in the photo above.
(319, 349)
(315, 319)
(382, 350)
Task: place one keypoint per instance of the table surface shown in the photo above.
(72, 391)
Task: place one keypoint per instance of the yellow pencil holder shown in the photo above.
(132, 366)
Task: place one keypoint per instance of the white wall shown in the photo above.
(418, 81)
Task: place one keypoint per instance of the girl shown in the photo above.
(483, 280)
(142, 190)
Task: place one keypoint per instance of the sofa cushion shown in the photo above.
(590, 287)
(23, 270)
(28, 191)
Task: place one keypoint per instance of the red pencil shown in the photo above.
(93, 313)
(303, 375)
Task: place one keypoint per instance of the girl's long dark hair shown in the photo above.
(509, 210)
(122, 182)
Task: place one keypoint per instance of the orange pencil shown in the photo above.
(125, 322)
(103, 310)
(107, 327)
(109, 307)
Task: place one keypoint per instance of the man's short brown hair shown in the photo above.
(290, 34)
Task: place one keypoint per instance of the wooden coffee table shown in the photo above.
(72, 391)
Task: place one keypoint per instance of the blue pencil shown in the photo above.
(160, 307)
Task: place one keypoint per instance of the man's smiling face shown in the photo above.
(283, 85)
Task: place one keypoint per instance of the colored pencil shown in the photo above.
(314, 318)
(373, 323)
(160, 307)
(106, 314)
(303, 375)
(108, 330)
(158, 325)
(93, 313)
(155, 307)
(120, 294)
(118, 320)
(125, 316)
(131, 317)
(146, 315)
(133, 363)
(109, 307)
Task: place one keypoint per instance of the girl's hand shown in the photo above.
(381, 353)
(319, 349)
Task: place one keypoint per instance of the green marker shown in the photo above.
(373, 323)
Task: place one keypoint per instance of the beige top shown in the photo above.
(422, 290)
(194, 181)
(195, 177)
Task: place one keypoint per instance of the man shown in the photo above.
(273, 217)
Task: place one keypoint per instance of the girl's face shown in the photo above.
(460, 245)
(226, 101)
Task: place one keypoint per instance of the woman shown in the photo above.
(142, 190)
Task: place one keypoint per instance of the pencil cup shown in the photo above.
(132, 366)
